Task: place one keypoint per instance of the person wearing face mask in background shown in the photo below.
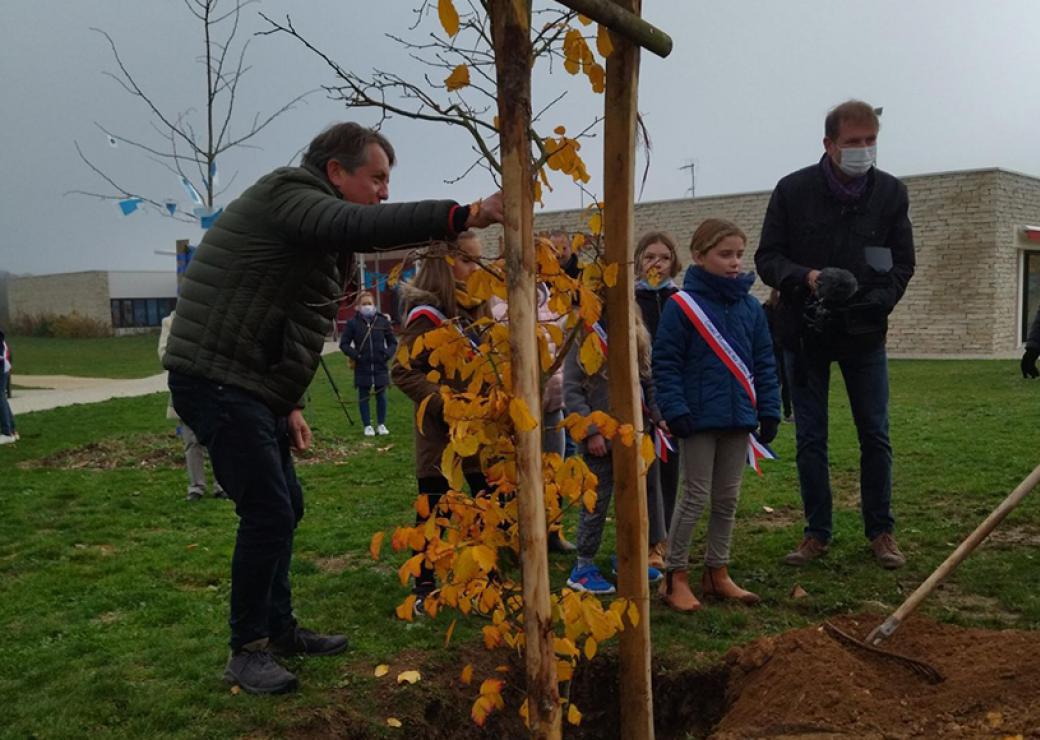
(842, 212)
(369, 341)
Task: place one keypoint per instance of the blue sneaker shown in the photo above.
(653, 575)
(588, 578)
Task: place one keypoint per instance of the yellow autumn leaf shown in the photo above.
(410, 568)
(597, 77)
(381, 670)
(376, 545)
(404, 610)
(450, 632)
(521, 415)
(421, 413)
(647, 449)
(603, 43)
(573, 715)
(485, 557)
(633, 614)
(409, 677)
(595, 223)
(449, 16)
(422, 506)
(591, 354)
(588, 500)
(458, 79)
(610, 274)
(393, 721)
(467, 674)
(584, 20)
(590, 648)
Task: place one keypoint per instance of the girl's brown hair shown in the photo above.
(711, 232)
(362, 295)
(658, 237)
(436, 279)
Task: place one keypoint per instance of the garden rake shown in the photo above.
(886, 629)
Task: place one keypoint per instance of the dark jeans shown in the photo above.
(866, 383)
(366, 413)
(249, 448)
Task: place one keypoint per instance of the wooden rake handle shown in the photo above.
(973, 540)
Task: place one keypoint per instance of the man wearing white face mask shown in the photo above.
(845, 214)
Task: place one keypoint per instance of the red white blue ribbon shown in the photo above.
(662, 440)
(437, 318)
(756, 450)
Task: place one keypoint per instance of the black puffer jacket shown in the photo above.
(651, 304)
(260, 293)
(807, 228)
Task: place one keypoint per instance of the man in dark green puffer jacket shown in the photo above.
(256, 303)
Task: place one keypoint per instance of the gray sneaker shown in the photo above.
(257, 672)
(194, 495)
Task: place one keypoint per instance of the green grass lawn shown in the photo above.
(113, 589)
(108, 357)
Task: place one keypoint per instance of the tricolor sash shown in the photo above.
(718, 344)
(662, 440)
(437, 318)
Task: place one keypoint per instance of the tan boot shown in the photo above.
(675, 592)
(655, 557)
(716, 584)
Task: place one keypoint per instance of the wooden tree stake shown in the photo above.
(511, 33)
(637, 717)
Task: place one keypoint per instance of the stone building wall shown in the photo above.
(86, 293)
(964, 299)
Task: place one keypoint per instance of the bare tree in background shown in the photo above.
(459, 90)
(192, 140)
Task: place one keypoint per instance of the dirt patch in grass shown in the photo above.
(165, 451)
(776, 517)
(974, 606)
(799, 683)
(1023, 534)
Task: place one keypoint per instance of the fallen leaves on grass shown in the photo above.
(410, 677)
(381, 670)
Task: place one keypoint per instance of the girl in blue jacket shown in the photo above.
(369, 341)
(715, 381)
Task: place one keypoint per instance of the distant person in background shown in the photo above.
(194, 460)
(1032, 349)
(8, 433)
(769, 306)
(369, 341)
(657, 264)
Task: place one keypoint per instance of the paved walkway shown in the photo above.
(42, 392)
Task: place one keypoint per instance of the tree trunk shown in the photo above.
(511, 33)
(637, 714)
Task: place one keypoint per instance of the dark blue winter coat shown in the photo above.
(690, 379)
(371, 344)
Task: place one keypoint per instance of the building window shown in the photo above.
(1030, 290)
(140, 312)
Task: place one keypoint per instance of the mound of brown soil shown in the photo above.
(805, 682)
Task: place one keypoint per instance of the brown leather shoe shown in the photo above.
(716, 584)
(655, 558)
(809, 549)
(675, 592)
(886, 551)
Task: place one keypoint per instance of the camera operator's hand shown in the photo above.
(811, 279)
(1028, 364)
(767, 429)
(682, 427)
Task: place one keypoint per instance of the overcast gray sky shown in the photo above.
(743, 95)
